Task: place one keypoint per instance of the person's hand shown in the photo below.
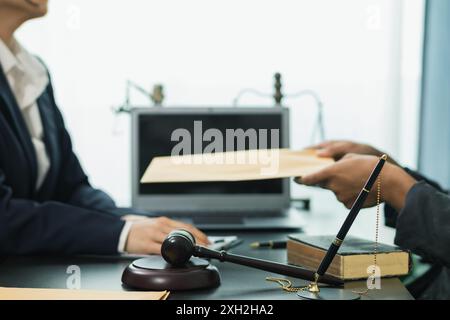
(146, 235)
(348, 176)
(338, 149)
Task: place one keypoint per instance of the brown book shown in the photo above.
(353, 259)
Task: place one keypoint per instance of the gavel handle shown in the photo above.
(278, 268)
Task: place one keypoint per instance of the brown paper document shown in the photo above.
(234, 166)
(66, 294)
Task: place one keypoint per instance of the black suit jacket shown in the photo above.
(423, 226)
(66, 215)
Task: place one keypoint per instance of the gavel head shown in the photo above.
(178, 247)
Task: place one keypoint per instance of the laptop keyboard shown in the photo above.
(230, 217)
(218, 220)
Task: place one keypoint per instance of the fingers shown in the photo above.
(169, 225)
(169, 228)
(330, 149)
(200, 237)
(326, 177)
(321, 145)
(350, 156)
(153, 248)
(334, 150)
(147, 235)
(346, 200)
(157, 236)
(318, 178)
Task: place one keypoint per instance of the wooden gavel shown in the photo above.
(179, 246)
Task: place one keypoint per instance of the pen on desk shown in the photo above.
(269, 244)
(334, 247)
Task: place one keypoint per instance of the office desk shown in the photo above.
(104, 273)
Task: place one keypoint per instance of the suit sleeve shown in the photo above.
(423, 226)
(28, 227)
(391, 214)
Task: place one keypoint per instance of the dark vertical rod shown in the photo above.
(356, 208)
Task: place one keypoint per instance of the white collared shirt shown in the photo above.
(28, 80)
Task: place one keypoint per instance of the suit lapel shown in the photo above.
(17, 122)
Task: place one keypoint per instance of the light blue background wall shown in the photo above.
(435, 119)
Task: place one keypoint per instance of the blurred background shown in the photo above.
(363, 57)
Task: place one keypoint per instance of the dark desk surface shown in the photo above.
(104, 273)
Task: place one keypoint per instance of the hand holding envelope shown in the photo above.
(235, 166)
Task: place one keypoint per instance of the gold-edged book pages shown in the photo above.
(235, 166)
(66, 294)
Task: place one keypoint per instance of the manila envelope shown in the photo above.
(66, 294)
(235, 166)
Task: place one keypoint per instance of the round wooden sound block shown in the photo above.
(155, 274)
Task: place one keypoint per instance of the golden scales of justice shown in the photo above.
(313, 291)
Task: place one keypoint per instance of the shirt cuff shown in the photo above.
(124, 237)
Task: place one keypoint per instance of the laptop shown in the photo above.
(258, 205)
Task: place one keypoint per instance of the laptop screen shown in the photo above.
(155, 138)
